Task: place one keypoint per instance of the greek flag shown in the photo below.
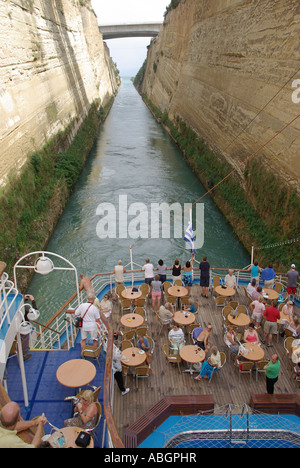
(189, 236)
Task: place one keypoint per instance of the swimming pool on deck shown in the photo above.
(226, 431)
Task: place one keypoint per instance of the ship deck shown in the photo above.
(225, 387)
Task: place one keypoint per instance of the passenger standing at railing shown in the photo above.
(255, 270)
(86, 284)
(268, 276)
(149, 273)
(293, 277)
(119, 271)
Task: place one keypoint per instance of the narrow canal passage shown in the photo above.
(133, 166)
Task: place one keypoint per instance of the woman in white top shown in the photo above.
(176, 338)
(106, 306)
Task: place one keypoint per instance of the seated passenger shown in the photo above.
(230, 280)
(257, 293)
(210, 364)
(105, 306)
(86, 409)
(166, 312)
(191, 307)
(250, 335)
(251, 288)
(176, 338)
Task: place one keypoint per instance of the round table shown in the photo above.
(193, 355)
(270, 294)
(132, 320)
(177, 291)
(225, 291)
(133, 357)
(71, 433)
(184, 318)
(76, 373)
(255, 352)
(241, 321)
(129, 294)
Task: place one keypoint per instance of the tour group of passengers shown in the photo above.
(155, 278)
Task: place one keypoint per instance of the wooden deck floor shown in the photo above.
(167, 380)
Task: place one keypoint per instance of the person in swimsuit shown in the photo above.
(203, 339)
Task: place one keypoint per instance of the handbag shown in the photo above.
(83, 439)
(79, 320)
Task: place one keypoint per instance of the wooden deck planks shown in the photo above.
(225, 387)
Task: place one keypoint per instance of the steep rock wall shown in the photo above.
(54, 64)
(226, 68)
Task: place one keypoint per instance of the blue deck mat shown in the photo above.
(45, 393)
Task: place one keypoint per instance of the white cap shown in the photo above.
(293, 265)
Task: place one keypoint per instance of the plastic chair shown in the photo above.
(92, 352)
(141, 311)
(288, 345)
(216, 282)
(141, 372)
(177, 282)
(279, 287)
(119, 289)
(145, 290)
(125, 305)
(244, 367)
(260, 367)
(167, 285)
(125, 344)
(220, 301)
(128, 335)
(241, 309)
(140, 302)
(172, 358)
(225, 312)
(141, 331)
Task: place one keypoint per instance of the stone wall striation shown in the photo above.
(54, 64)
(227, 68)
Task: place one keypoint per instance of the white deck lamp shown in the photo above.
(43, 266)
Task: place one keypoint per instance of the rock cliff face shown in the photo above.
(227, 68)
(53, 66)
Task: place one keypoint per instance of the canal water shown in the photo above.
(133, 168)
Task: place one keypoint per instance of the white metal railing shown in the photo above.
(7, 306)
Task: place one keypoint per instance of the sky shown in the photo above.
(129, 53)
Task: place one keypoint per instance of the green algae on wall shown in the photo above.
(262, 210)
(33, 200)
